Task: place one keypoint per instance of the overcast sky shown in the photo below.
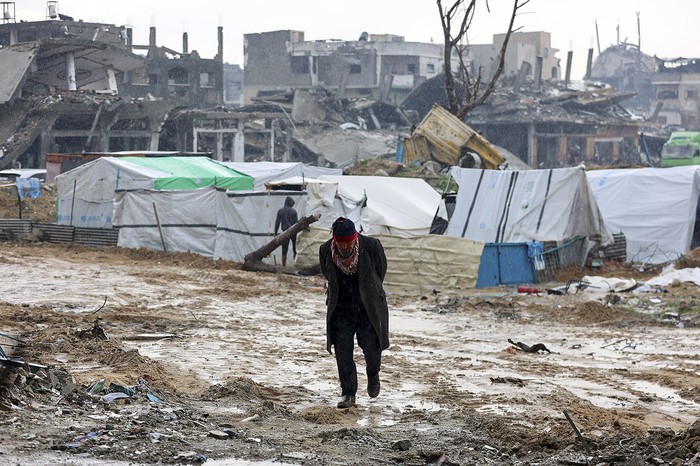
(669, 28)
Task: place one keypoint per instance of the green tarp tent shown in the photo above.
(192, 173)
(86, 193)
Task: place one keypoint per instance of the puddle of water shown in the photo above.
(666, 395)
(601, 395)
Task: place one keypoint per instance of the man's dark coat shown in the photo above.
(371, 268)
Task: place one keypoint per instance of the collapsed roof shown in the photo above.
(38, 68)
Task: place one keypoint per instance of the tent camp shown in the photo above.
(654, 208)
(214, 223)
(266, 172)
(523, 206)
(235, 223)
(86, 193)
(402, 207)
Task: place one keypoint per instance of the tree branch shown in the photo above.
(472, 92)
(253, 260)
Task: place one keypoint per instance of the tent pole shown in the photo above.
(72, 203)
(160, 230)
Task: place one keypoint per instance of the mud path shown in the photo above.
(207, 348)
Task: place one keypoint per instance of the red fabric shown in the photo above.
(345, 239)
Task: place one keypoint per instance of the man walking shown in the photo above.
(354, 266)
(286, 217)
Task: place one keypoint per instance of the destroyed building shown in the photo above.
(677, 99)
(233, 85)
(555, 127)
(626, 69)
(380, 67)
(69, 86)
(549, 125)
(525, 50)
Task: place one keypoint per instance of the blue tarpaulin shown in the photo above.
(400, 154)
(29, 188)
(535, 250)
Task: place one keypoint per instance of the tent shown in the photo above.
(654, 208)
(207, 221)
(266, 172)
(524, 206)
(228, 225)
(246, 222)
(417, 264)
(171, 221)
(86, 193)
(395, 206)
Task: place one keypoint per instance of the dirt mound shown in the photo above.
(594, 312)
(370, 167)
(241, 388)
(689, 260)
(328, 415)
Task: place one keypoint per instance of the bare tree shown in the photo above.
(466, 90)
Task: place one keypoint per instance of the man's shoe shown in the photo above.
(373, 386)
(348, 401)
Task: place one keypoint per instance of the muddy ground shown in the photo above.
(152, 358)
(203, 361)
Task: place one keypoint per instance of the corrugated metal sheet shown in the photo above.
(449, 136)
(96, 236)
(54, 233)
(416, 148)
(15, 228)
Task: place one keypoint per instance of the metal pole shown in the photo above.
(72, 203)
(160, 230)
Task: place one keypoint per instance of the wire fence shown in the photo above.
(551, 261)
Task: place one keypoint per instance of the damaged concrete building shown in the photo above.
(677, 85)
(376, 66)
(529, 53)
(69, 86)
(556, 126)
(626, 69)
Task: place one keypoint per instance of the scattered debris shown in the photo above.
(95, 332)
(536, 348)
(511, 380)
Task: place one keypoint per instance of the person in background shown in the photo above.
(286, 217)
(354, 266)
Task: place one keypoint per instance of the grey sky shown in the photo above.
(668, 27)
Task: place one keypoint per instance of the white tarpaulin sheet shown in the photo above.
(246, 222)
(394, 206)
(86, 193)
(186, 220)
(523, 206)
(265, 172)
(653, 207)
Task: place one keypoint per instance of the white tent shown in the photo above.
(402, 207)
(214, 223)
(653, 207)
(523, 206)
(265, 172)
(246, 222)
(182, 221)
(86, 194)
